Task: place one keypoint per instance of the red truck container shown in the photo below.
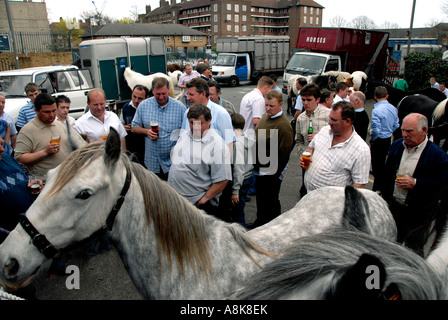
(358, 50)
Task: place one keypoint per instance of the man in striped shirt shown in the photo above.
(340, 156)
(27, 113)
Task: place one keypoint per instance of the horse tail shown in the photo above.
(356, 211)
(246, 243)
(439, 111)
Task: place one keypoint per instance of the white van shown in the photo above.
(55, 80)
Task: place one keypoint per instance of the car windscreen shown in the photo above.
(13, 86)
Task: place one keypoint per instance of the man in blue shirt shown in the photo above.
(27, 113)
(384, 123)
(168, 113)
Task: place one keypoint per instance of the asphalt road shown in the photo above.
(103, 277)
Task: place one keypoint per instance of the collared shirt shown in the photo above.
(343, 164)
(408, 163)
(338, 98)
(130, 104)
(26, 114)
(384, 120)
(252, 106)
(169, 117)
(71, 121)
(35, 136)
(7, 117)
(94, 128)
(221, 122)
(319, 119)
(199, 163)
(184, 78)
(298, 102)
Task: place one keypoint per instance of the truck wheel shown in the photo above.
(233, 82)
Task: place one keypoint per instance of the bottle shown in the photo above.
(310, 128)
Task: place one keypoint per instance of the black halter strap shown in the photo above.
(45, 247)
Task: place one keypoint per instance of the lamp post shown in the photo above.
(16, 57)
(410, 28)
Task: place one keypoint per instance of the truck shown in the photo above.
(320, 49)
(55, 80)
(107, 59)
(249, 58)
(399, 49)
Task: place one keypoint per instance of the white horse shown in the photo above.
(171, 249)
(133, 78)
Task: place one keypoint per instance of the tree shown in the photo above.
(65, 27)
(421, 66)
(95, 19)
(389, 25)
(362, 22)
(338, 22)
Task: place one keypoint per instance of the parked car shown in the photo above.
(55, 80)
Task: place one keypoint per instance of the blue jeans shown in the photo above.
(237, 210)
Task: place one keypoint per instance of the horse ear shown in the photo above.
(362, 281)
(112, 148)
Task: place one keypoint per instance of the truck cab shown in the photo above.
(55, 80)
(310, 64)
(231, 68)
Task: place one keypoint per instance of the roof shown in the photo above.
(29, 71)
(440, 30)
(142, 29)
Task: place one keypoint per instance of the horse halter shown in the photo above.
(45, 247)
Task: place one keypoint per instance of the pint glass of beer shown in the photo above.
(155, 127)
(306, 156)
(56, 138)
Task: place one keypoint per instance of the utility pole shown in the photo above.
(410, 28)
(11, 28)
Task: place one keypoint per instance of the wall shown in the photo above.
(35, 59)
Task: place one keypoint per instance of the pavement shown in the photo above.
(103, 277)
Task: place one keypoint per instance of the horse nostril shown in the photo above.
(11, 267)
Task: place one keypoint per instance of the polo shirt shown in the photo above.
(252, 106)
(199, 163)
(26, 114)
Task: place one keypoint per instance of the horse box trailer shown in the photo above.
(107, 58)
(249, 58)
(320, 50)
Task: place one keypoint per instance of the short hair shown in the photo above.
(200, 85)
(347, 110)
(380, 92)
(302, 81)
(341, 86)
(31, 87)
(89, 94)
(273, 77)
(199, 110)
(421, 120)
(265, 80)
(160, 82)
(141, 88)
(201, 67)
(238, 121)
(62, 98)
(43, 99)
(311, 89)
(325, 94)
(274, 94)
(214, 83)
(360, 95)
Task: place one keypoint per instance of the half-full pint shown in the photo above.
(306, 156)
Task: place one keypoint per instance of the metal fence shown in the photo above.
(32, 42)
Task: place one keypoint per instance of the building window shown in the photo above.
(317, 21)
(244, 7)
(174, 13)
(237, 18)
(215, 7)
(311, 20)
(317, 11)
(304, 9)
(186, 39)
(215, 28)
(243, 28)
(311, 10)
(237, 28)
(229, 17)
(229, 27)
(237, 8)
(229, 7)
(244, 18)
(304, 19)
(215, 18)
(195, 38)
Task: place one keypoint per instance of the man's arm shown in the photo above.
(33, 157)
(212, 191)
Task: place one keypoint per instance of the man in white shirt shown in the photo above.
(97, 121)
(252, 105)
(342, 93)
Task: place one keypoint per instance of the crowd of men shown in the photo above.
(212, 155)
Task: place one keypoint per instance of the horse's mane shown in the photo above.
(325, 256)
(179, 226)
(439, 111)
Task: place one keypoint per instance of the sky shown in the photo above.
(394, 11)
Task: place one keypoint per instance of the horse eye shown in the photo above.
(83, 195)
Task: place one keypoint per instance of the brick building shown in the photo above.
(231, 18)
